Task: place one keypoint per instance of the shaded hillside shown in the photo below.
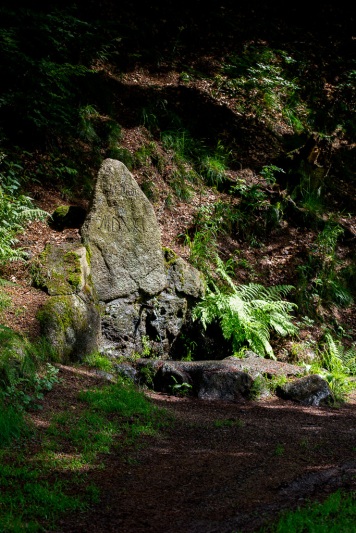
(237, 122)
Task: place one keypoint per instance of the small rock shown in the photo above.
(106, 375)
(309, 390)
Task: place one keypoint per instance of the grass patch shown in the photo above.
(96, 360)
(28, 501)
(12, 425)
(337, 514)
(37, 488)
(228, 423)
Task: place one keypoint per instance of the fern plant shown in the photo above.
(16, 211)
(336, 364)
(337, 359)
(248, 313)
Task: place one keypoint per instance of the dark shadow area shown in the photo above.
(204, 118)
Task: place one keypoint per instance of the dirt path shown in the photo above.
(224, 468)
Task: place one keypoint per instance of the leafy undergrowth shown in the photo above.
(45, 471)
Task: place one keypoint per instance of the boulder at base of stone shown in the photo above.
(208, 380)
(70, 318)
(222, 385)
(309, 390)
(71, 325)
(256, 366)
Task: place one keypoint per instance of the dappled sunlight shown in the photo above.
(61, 461)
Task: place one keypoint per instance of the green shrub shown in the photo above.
(25, 370)
(321, 279)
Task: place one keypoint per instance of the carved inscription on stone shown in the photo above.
(139, 224)
(127, 190)
(123, 188)
(109, 224)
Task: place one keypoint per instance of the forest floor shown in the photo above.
(219, 467)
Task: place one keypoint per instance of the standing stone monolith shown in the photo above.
(124, 238)
(144, 294)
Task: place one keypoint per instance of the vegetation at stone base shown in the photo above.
(337, 366)
(99, 361)
(36, 493)
(180, 389)
(264, 385)
(26, 370)
(335, 514)
(247, 313)
(331, 361)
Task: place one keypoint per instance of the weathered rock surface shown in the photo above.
(230, 379)
(145, 291)
(209, 380)
(62, 269)
(130, 323)
(309, 390)
(259, 366)
(184, 278)
(124, 237)
(222, 385)
(70, 319)
(71, 324)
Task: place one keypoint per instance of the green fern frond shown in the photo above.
(349, 360)
(248, 313)
(15, 213)
(336, 359)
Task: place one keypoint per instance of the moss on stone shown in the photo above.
(64, 321)
(57, 310)
(73, 269)
(88, 253)
(170, 257)
(61, 211)
(67, 216)
(58, 271)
